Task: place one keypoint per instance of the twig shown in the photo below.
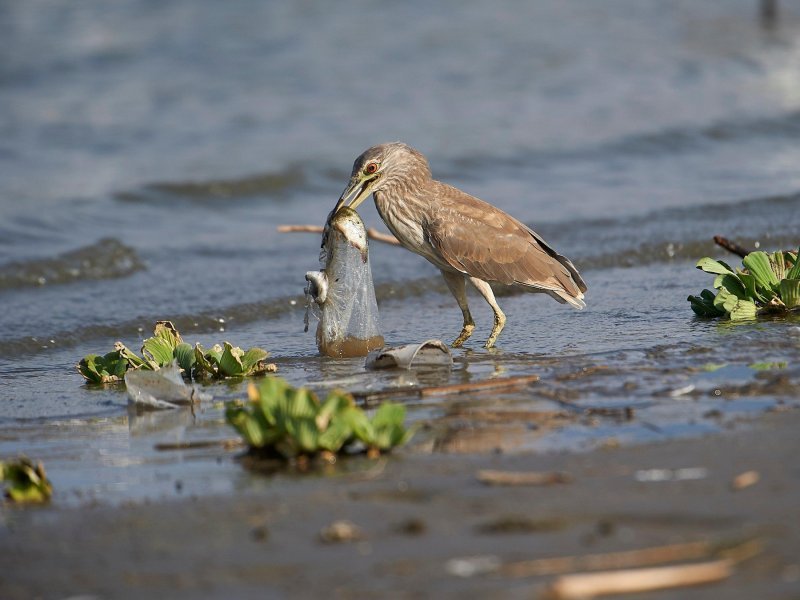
(611, 560)
(456, 388)
(490, 477)
(588, 585)
(628, 559)
(731, 246)
(372, 233)
(486, 384)
(227, 444)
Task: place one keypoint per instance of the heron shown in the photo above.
(466, 238)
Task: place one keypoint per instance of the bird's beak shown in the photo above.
(356, 192)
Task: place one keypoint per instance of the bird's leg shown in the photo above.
(457, 285)
(499, 318)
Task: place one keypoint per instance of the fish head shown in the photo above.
(345, 224)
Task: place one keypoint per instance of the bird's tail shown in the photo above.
(565, 297)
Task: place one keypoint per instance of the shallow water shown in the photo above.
(148, 151)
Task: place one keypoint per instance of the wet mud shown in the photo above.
(422, 523)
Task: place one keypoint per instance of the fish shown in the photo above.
(341, 294)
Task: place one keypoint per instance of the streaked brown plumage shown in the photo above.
(466, 238)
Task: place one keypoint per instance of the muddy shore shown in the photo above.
(415, 513)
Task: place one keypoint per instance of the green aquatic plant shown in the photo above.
(292, 422)
(768, 283)
(25, 481)
(167, 346)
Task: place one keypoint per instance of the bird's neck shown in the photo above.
(404, 212)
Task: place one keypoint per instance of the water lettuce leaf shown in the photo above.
(769, 283)
(790, 292)
(166, 346)
(103, 369)
(290, 422)
(758, 264)
(25, 481)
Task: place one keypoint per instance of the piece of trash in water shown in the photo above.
(688, 473)
(682, 391)
(469, 566)
(341, 295)
(430, 353)
(161, 389)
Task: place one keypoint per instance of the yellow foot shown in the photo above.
(463, 336)
(499, 323)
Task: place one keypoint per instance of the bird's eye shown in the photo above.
(371, 168)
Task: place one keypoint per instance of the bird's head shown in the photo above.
(382, 166)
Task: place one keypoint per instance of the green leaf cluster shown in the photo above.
(167, 346)
(292, 421)
(25, 481)
(769, 282)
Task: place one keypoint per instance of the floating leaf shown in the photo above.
(230, 362)
(703, 305)
(158, 351)
(794, 272)
(167, 345)
(789, 290)
(185, 356)
(768, 366)
(25, 481)
(732, 283)
(717, 267)
(743, 310)
(778, 263)
(202, 366)
(103, 369)
(751, 288)
(252, 358)
(758, 264)
(291, 421)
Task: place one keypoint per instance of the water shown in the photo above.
(149, 150)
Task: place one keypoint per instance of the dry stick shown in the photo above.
(372, 233)
(456, 388)
(588, 585)
(490, 477)
(229, 443)
(643, 557)
(731, 246)
(610, 560)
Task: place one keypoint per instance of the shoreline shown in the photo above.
(415, 513)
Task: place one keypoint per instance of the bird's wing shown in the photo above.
(482, 241)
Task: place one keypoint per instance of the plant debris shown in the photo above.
(167, 346)
(25, 481)
(490, 477)
(291, 422)
(745, 480)
(340, 531)
(769, 283)
(605, 583)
